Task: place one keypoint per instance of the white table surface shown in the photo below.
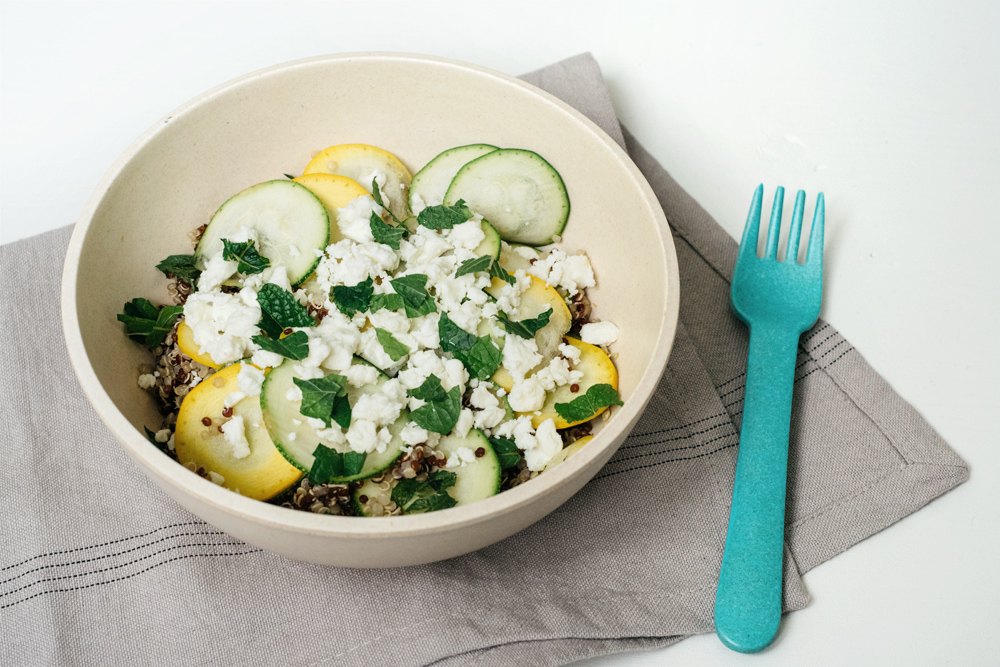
(892, 109)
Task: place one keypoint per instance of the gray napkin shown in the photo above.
(96, 564)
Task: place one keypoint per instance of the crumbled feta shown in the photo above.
(216, 478)
(467, 235)
(461, 457)
(571, 352)
(236, 437)
(599, 333)
(264, 359)
(249, 380)
(489, 413)
(548, 443)
(162, 435)
(278, 275)
(556, 374)
(354, 220)
(293, 394)
(520, 355)
(378, 408)
(509, 298)
(464, 424)
(223, 324)
(571, 272)
(413, 434)
(217, 271)
(527, 396)
(417, 203)
(358, 375)
(362, 436)
(232, 398)
(147, 380)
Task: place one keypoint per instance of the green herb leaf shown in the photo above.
(280, 310)
(181, 266)
(507, 452)
(483, 359)
(377, 196)
(151, 436)
(473, 265)
(416, 300)
(246, 255)
(440, 412)
(319, 395)
(453, 337)
(444, 217)
(498, 271)
(294, 346)
(353, 299)
(147, 324)
(392, 347)
(342, 411)
(413, 496)
(586, 406)
(328, 464)
(386, 233)
(387, 301)
(289, 177)
(525, 328)
(353, 463)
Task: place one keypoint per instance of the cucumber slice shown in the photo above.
(474, 481)
(290, 221)
(515, 256)
(479, 479)
(360, 162)
(431, 183)
(517, 191)
(280, 415)
(261, 475)
(491, 244)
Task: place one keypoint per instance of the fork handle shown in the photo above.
(748, 601)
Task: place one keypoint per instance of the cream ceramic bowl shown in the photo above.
(270, 122)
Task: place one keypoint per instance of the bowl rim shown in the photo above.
(268, 515)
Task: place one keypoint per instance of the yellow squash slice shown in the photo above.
(360, 162)
(568, 451)
(596, 367)
(537, 299)
(335, 192)
(185, 341)
(198, 441)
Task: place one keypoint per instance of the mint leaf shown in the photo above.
(319, 395)
(377, 196)
(280, 310)
(473, 265)
(328, 464)
(453, 337)
(147, 324)
(498, 271)
(416, 300)
(412, 496)
(440, 412)
(342, 411)
(507, 452)
(483, 359)
(246, 255)
(388, 301)
(586, 406)
(353, 463)
(294, 346)
(181, 266)
(525, 328)
(444, 217)
(386, 233)
(392, 347)
(289, 177)
(353, 299)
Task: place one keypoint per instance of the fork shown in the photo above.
(778, 301)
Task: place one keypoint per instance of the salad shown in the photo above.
(358, 341)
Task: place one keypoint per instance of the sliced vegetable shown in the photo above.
(185, 341)
(568, 451)
(520, 193)
(431, 183)
(514, 256)
(297, 440)
(538, 298)
(335, 192)
(290, 222)
(361, 163)
(597, 369)
(198, 441)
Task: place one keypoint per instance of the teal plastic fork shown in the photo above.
(778, 301)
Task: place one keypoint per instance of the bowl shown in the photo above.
(256, 127)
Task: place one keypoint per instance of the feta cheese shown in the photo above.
(217, 271)
(520, 355)
(379, 409)
(362, 436)
(509, 298)
(264, 359)
(467, 235)
(413, 434)
(249, 380)
(527, 396)
(417, 203)
(354, 220)
(232, 398)
(223, 324)
(293, 394)
(548, 443)
(571, 272)
(489, 412)
(464, 424)
(571, 352)
(358, 375)
(216, 478)
(277, 275)
(599, 333)
(147, 380)
(162, 435)
(461, 457)
(236, 437)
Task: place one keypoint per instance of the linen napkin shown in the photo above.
(96, 564)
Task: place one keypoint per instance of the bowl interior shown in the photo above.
(264, 125)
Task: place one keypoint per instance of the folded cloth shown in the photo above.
(96, 564)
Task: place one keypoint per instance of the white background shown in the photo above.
(891, 108)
